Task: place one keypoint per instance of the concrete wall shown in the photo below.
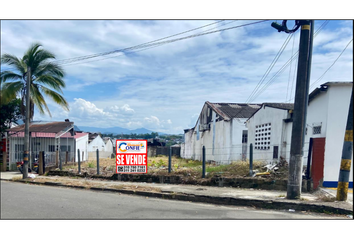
(95, 144)
(222, 141)
(154, 151)
(330, 108)
(280, 133)
(109, 146)
(82, 145)
(102, 154)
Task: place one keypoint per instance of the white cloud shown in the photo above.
(164, 88)
(123, 110)
(85, 109)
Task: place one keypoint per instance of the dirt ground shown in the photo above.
(188, 168)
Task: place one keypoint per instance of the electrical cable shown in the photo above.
(284, 66)
(139, 45)
(270, 66)
(147, 45)
(331, 65)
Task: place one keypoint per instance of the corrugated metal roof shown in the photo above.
(285, 106)
(234, 110)
(44, 127)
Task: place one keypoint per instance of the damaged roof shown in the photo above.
(44, 127)
(234, 110)
(285, 106)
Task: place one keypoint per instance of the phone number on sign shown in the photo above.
(131, 169)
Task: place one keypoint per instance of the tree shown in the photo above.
(46, 79)
(10, 113)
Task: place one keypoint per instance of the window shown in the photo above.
(316, 130)
(244, 136)
(51, 148)
(264, 133)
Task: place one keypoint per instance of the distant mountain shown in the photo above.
(116, 130)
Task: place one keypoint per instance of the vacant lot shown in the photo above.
(184, 167)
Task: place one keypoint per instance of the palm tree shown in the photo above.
(46, 79)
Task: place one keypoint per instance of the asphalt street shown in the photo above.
(24, 201)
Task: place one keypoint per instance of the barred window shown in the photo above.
(265, 131)
(316, 130)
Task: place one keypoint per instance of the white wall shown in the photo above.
(109, 146)
(223, 142)
(331, 109)
(279, 133)
(95, 144)
(82, 145)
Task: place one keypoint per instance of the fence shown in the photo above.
(154, 151)
(40, 142)
(227, 155)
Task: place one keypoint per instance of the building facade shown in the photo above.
(221, 129)
(269, 131)
(326, 124)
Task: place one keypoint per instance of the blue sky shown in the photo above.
(164, 88)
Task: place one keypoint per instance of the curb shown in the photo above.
(231, 201)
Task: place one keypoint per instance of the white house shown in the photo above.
(269, 131)
(81, 143)
(47, 137)
(96, 142)
(326, 118)
(221, 129)
(109, 144)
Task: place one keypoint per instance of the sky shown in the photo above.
(164, 88)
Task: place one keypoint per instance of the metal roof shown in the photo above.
(285, 106)
(234, 110)
(44, 127)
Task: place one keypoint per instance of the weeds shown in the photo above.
(185, 167)
(91, 165)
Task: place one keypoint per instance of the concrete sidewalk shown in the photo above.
(265, 199)
(333, 193)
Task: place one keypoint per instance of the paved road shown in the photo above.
(23, 201)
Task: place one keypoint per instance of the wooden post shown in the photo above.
(66, 157)
(98, 162)
(40, 164)
(56, 158)
(203, 166)
(4, 161)
(78, 161)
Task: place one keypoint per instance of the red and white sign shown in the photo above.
(131, 156)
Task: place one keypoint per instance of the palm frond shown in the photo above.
(38, 99)
(49, 68)
(29, 57)
(53, 82)
(46, 78)
(8, 75)
(56, 97)
(11, 89)
(13, 61)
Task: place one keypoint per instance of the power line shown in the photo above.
(331, 64)
(139, 45)
(154, 43)
(285, 65)
(270, 66)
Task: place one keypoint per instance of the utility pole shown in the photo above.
(343, 181)
(300, 105)
(27, 122)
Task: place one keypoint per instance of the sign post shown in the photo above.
(131, 156)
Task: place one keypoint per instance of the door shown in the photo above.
(275, 152)
(317, 166)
